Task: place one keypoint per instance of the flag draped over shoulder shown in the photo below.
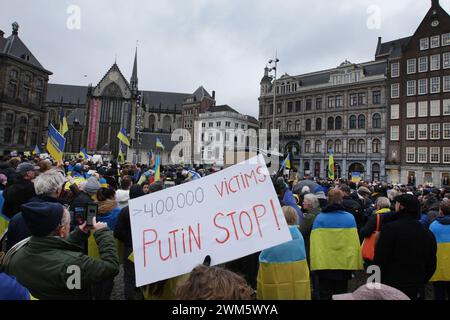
(122, 136)
(63, 127)
(331, 166)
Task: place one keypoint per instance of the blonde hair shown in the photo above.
(214, 283)
(291, 215)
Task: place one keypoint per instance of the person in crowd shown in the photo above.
(21, 190)
(283, 270)
(334, 248)
(214, 283)
(108, 209)
(87, 195)
(123, 194)
(146, 187)
(311, 208)
(382, 208)
(286, 197)
(48, 187)
(351, 205)
(45, 264)
(10, 289)
(441, 230)
(375, 291)
(122, 232)
(406, 251)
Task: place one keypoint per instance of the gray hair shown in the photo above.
(392, 194)
(313, 199)
(383, 202)
(49, 182)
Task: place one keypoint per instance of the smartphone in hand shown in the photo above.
(91, 212)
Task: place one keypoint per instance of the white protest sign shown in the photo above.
(227, 215)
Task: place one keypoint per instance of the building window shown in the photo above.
(410, 155)
(435, 108)
(446, 131)
(435, 42)
(376, 121)
(435, 85)
(338, 123)
(318, 103)
(422, 155)
(211, 124)
(271, 108)
(307, 146)
(446, 155)
(290, 107)
(446, 85)
(395, 130)
(411, 66)
(353, 99)
(422, 131)
(376, 97)
(12, 90)
(446, 39)
(361, 122)
(330, 145)
(411, 132)
(23, 120)
(423, 109)
(318, 146)
(423, 86)
(297, 125)
(352, 122)
(308, 104)
(330, 123)
(395, 111)
(362, 99)
(227, 124)
(395, 90)
(361, 146)
(279, 108)
(7, 135)
(411, 110)
(446, 107)
(279, 125)
(423, 64)
(13, 74)
(376, 146)
(308, 125)
(411, 88)
(435, 62)
(435, 131)
(435, 154)
(298, 106)
(331, 101)
(318, 124)
(339, 101)
(395, 70)
(289, 126)
(352, 146)
(218, 124)
(338, 146)
(446, 60)
(21, 139)
(9, 117)
(424, 44)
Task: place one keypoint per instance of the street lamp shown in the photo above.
(274, 63)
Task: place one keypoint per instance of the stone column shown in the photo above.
(368, 170)
(322, 167)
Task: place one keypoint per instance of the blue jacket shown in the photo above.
(110, 218)
(2, 200)
(10, 289)
(289, 200)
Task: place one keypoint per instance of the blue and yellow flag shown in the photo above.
(159, 144)
(331, 166)
(121, 154)
(84, 154)
(63, 127)
(441, 232)
(287, 162)
(158, 167)
(55, 143)
(122, 135)
(36, 150)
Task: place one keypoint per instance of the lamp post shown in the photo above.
(274, 63)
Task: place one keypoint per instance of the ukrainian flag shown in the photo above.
(331, 166)
(36, 150)
(121, 154)
(122, 135)
(334, 243)
(84, 154)
(159, 144)
(63, 127)
(287, 162)
(442, 234)
(55, 143)
(158, 168)
(283, 271)
(4, 220)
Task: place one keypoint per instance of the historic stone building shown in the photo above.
(23, 88)
(418, 82)
(343, 109)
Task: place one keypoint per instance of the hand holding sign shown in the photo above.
(228, 215)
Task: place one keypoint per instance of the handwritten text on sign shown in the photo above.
(226, 215)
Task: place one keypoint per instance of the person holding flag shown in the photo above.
(83, 153)
(36, 151)
(122, 136)
(159, 144)
(121, 153)
(331, 166)
(63, 127)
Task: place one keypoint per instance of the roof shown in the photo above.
(165, 100)
(201, 94)
(252, 120)
(391, 49)
(149, 141)
(64, 93)
(14, 47)
(222, 108)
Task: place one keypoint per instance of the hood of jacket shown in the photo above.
(106, 206)
(445, 220)
(333, 207)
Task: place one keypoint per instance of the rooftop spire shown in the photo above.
(134, 76)
(15, 28)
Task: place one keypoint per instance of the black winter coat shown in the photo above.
(406, 255)
(15, 195)
(122, 231)
(355, 208)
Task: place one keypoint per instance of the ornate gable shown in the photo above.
(113, 84)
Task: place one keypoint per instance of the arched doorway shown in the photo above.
(356, 168)
(317, 170)
(376, 172)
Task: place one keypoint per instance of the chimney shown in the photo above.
(214, 95)
(2, 34)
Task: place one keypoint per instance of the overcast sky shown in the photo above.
(223, 45)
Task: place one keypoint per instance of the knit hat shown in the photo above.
(26, 166)
(103, 183)
(42, 217)
(410, 203)
(364, 190)
(378, 292)
(92, 185)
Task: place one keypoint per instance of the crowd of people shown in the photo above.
(338, 228)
